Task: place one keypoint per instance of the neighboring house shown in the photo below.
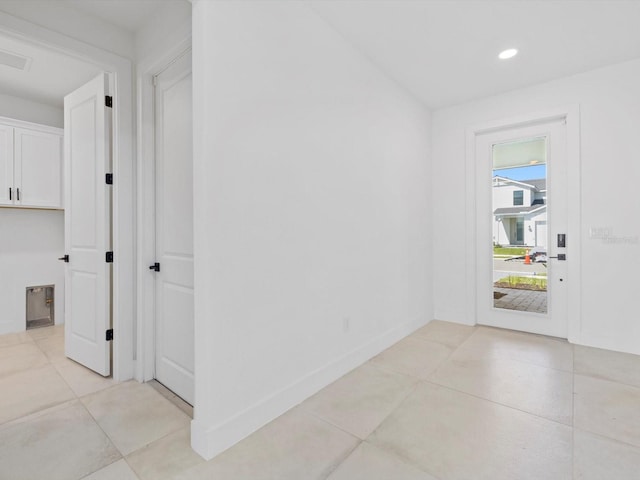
(520, 212)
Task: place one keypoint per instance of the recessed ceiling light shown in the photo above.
(511, 52)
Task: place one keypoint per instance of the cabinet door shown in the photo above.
(6, 165)
(38, 168)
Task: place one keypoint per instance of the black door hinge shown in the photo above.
(108, 101)
(109, 335)
(108, 257)
(108, 178)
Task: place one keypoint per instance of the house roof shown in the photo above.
(523, 210)
(538, 184)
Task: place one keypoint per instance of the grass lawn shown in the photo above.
(528, 283)
(515, 251)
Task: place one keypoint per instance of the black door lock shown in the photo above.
(562, 240)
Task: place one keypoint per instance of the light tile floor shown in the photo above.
(448, 402)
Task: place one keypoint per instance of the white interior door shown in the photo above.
(174, 229)
(517, 308)
(87, 158)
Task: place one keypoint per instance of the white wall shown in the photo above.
(29, 111)
(311, 211)
(30, 243)
(609, 101)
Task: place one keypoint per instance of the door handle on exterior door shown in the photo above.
(561, 257)
(65, 259)
(155, 267)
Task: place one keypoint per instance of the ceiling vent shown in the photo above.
(14, 60)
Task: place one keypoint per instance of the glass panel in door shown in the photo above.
(519, 207)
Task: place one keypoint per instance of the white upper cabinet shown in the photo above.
(38, 168)
(6, 165)
(30, 165)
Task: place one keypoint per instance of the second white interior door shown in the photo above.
(174, 229)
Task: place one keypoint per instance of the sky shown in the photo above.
(530, 172)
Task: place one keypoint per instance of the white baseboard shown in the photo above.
(617, 344)
(209, 441)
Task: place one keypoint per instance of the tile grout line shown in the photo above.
(396, 405)
(122, 455)
(104, 433)
(333, 468)
(461, 347)
(496, 403)
(595, 376)
(523, 362)
(610, 439)
(384, 368)
(407, 461)
(75, 400)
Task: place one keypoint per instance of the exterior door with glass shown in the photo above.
(521, 215)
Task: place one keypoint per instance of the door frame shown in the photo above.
(571, 115)
(120, 70)
(146, 212)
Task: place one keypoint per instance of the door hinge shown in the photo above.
(108, 178)
(108, 257)
(109, 335)
(108, 101)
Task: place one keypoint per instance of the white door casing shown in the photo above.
(87, 157)
(555, 322)
(174, 312)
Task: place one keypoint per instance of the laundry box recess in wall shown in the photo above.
(40, 308)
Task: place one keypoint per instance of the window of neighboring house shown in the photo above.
(518, 197)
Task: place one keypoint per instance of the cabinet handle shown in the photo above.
(18, 193)
(10, 196)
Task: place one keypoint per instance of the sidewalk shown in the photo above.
(523, 300)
